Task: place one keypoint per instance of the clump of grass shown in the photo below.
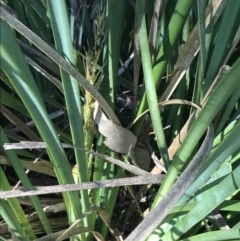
(186, 54)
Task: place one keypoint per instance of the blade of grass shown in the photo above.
(16, 69)
(12, 157)
(216, 158)
(147, 226)
(198, 93)
(114, 28)
(10, 18)
(201, 21)
(210, 200)
(221, 235)
(36, 24)
(63, 42)
(214, 161)
(216, 100)
(225, 37)
(174, 29)
(191, 47)
(115, 12)
(19, 124)
(149, 85)
(13, 223)
(12, 102)
(209, 111)
(231, 105)
(16, 208)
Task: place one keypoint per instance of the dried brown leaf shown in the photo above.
(118, 138)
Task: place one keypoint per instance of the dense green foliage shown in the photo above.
(181, 49)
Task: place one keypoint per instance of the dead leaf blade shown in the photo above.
(118, 138)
